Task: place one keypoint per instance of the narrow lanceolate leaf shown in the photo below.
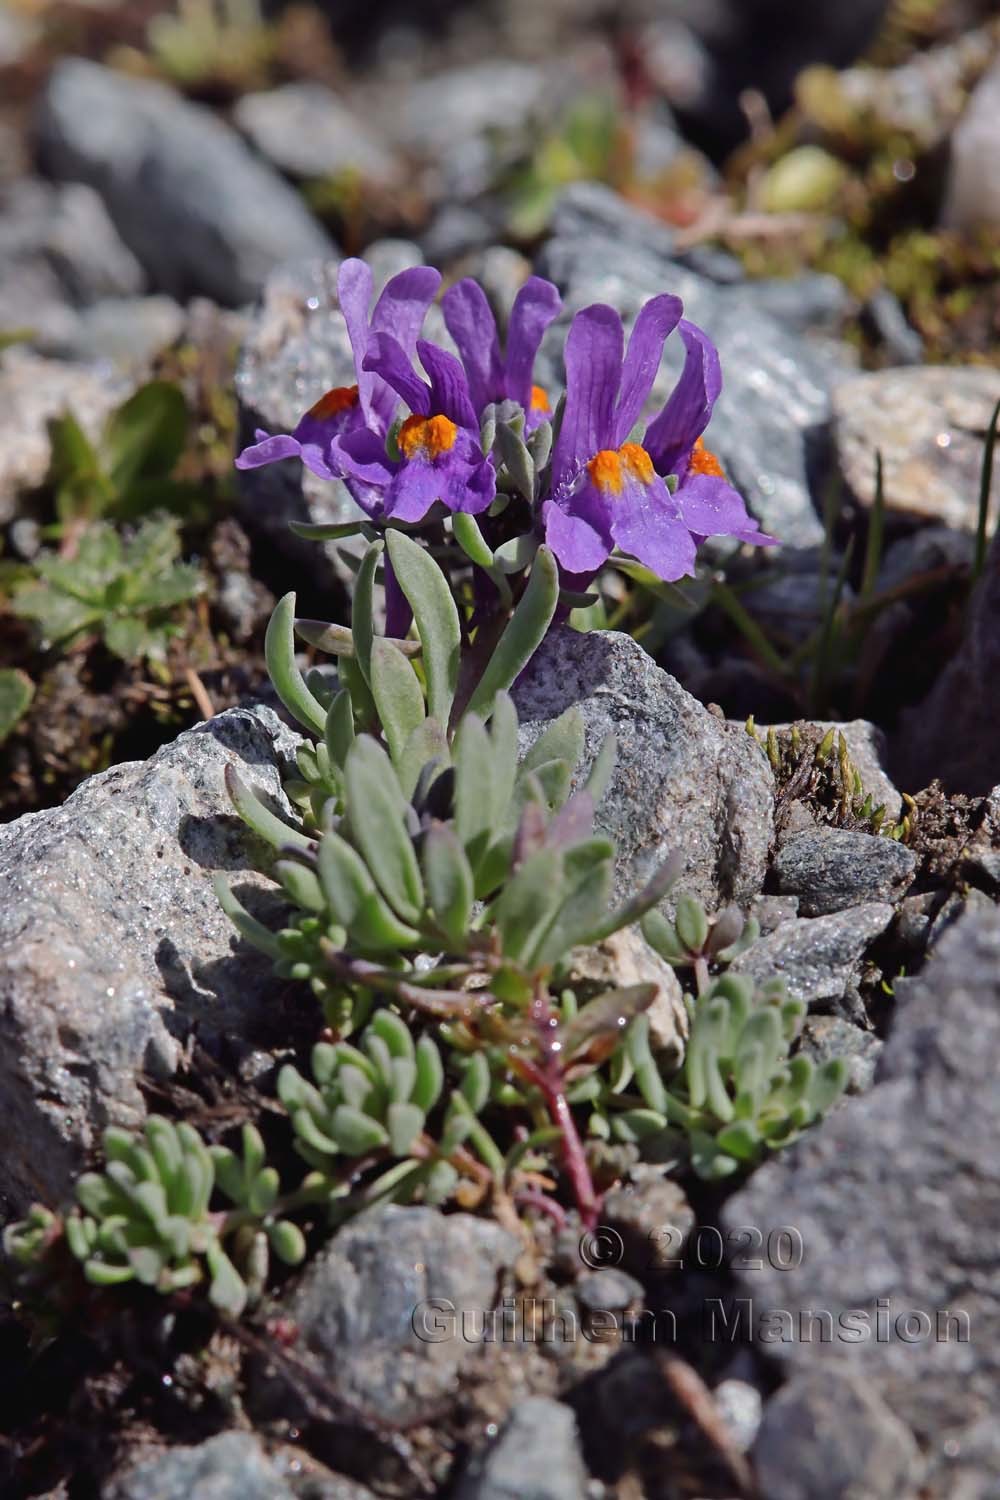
(289, 684)
(579, 912)
(247, 926)
(301, 884)
(516, 459)
(398, 697)
(330, 531)
(426, 744)
(363, 610)
(528, 901)
(260, 818)
(338, 733)
(377, 812)
(523, 635)
(474, 819)
(430, 1075)
(603, 768)
(436, 615)
(465, 529)
(563, 739)
(503, 737)
(337, 640)
(448, 878)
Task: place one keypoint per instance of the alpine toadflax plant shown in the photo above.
(438, 875)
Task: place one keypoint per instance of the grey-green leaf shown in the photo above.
(436, 615)
(289, 684)
(523, 635)
(398, 697)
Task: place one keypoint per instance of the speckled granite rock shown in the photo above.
(306, 130)
(830, 869)
(685, 780)
(817, 956)
(929, 424)
(897, 1198)
(188, 197)
(832, 1436)
(380, 1310)
(536, 1457)
(972, 196)
(113, 946)
(232, 1466)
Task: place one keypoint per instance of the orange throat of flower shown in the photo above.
(540, 399)
(342, 398)
(427, 437)
(610, 468)
(704, 461)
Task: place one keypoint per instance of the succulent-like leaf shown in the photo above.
(289, 684)
(523, 635)
(436, 615)
(398, 697)
(363, 610)
(377, 812)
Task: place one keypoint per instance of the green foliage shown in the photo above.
(739, 1093)
(127, 472)
(212, 42)
(147, 1218)
(16, 693)
(124, 589)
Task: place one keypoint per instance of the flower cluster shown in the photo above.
(409, 448)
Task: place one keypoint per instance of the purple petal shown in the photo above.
(646, 525)
(536, 305)
(413, 491)
(387, 359)
(656, 321)
(354, 290)
(594, 347)
(578, 529)
(400, 311)
(710, 506)
(269, 450)
(449, 385)
(670, 438)
(471, 323)
(361, 455)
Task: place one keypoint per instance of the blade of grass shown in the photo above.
(876, 533)
(985, 484)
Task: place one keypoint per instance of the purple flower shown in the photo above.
(492, 377)
(370, 404)
(440, 454)
(607, 491)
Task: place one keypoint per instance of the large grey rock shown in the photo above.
(818, 957)
(897, 1199)
(113, 947)
(775, 403)
(58, 250)
(232, 1466)
(392, 1311)
(307, 131)
(468, 101)
(955, 733)
(827, 1436)
(826, 1037)
(929, 424)
(536, 1457)
(187, 196)
(972, 196)
(833, 868)
(685, 780)
(32, 392)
